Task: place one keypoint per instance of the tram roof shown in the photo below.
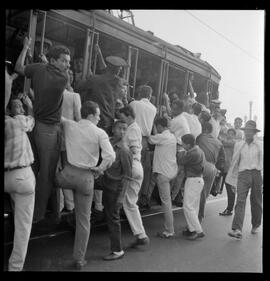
(100, 20)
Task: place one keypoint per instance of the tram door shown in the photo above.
(35, 17)
(163, 83)
(90, 55)
(130, 74)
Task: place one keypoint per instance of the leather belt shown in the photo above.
(11, 169)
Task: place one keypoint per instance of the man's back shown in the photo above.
(103, 90)
(145, 113)
(210, 146)
(71, 106)
(83, 141)
(48, 85)
(179, 127)
(194, 124)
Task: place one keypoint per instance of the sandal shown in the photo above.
(226, 213)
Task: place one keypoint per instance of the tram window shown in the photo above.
(199, 83)
(215, 93)
(176, 81)
(16, 30)
(113, 47)
(147, 71)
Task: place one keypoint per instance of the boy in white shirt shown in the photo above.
(165, 167)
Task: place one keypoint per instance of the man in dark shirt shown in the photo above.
(114, 182)
(104, 89)
(215, 160)
(48, 82)
(193, 161)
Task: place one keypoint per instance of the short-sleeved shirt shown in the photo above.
(48, 84)
(145, 113)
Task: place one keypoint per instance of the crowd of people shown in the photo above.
(69, 149)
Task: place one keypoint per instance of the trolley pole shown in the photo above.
(250, 110)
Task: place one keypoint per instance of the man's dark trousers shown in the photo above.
(47, 139)
(112, 199)
(248, 179)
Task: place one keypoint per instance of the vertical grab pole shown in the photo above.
(31, 33)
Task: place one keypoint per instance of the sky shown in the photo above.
(239, 57)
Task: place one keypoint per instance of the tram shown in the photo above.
(152, 61)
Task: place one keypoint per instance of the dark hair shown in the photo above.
(173, 92)
(206, 126)
(127, 111)
(206, 116)
(88, 107)
(197, 108)
(188, 139)
(56, 51)
(238, 118)
(179, 104)
(145, 91)
(163, 121)
(118, 121)
(232, 130)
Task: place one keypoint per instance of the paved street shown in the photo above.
(216, 252)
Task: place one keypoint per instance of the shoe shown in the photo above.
(65, 210)
(165, 234)
(177, 203)
(113, 256)
(97, 216)
(226, 213)
(80, 264)
(196, 235)
(140, 241)
(187, 232)
(235, 233)
(255, 230)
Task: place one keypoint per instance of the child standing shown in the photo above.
(193, 161)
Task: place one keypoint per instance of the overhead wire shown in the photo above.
(224, 37)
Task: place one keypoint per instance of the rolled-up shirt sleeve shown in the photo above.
(107, 152)
(27, 123)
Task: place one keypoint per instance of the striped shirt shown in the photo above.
(18, 151)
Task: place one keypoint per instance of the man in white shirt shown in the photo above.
(245, 172)
(145, 113)
(192, 119)
(83, 141)
(133, 139)
(165, 167)
(179, 127)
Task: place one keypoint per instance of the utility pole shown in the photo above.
(250, 110)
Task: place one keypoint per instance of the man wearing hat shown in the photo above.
(246, 173)
(104, 89)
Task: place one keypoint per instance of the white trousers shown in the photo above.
(192, 194)
(164, 190)
(130, 206)
(20, 184)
